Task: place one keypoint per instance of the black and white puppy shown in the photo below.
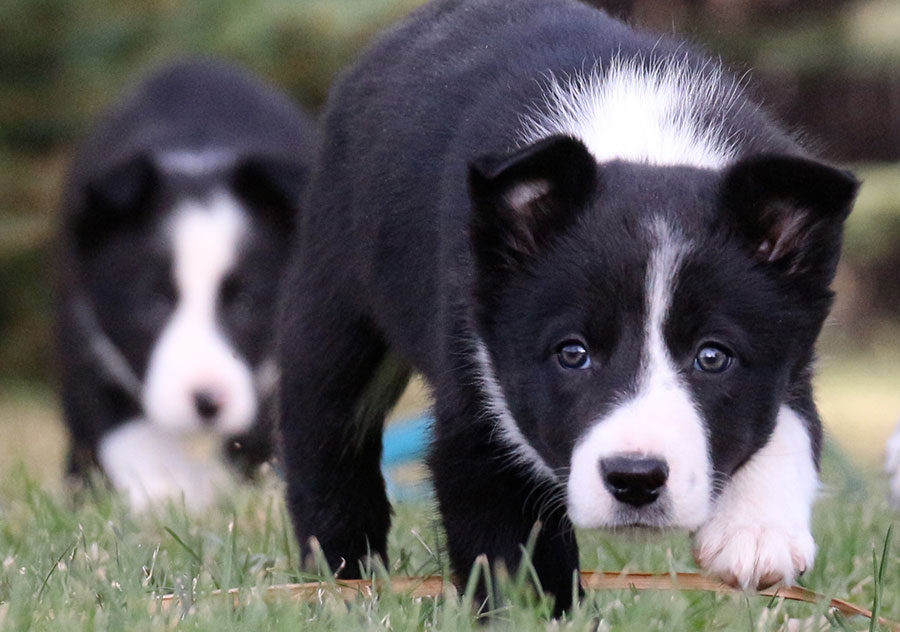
(176, 221)
(611, 267)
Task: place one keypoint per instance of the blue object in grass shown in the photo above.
(405, 441)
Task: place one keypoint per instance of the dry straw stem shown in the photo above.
(434, 586)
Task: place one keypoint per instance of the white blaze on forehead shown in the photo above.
(660, 420)
(205, 239)
(192, 354)
(654, 112)
(507, 427)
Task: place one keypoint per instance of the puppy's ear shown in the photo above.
(273, 186)
(522, 201)
(115, 198)
(790, 211)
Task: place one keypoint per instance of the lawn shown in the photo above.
(85, 563)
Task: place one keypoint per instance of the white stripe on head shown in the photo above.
(507, 427)
(660, 421)
(653, 112)
(192, 355)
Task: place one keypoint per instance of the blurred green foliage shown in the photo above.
(63, 61)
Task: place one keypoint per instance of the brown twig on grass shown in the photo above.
(433, 586)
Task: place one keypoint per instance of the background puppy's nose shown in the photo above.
(207, 405)
(634, 480)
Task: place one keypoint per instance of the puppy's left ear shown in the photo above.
(274, 186)
(791, 211)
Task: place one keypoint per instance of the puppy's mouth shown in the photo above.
(655, 516)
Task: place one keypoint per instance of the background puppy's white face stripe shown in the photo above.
(661, 420)
(192, 354)
(195, 163)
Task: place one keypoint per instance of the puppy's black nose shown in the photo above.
(207, 405)
(634, 480)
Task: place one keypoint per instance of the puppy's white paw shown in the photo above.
(759, 533)
(754, 556)
(150, 466)
(892, 467)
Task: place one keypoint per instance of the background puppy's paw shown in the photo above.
(754, 556)
(150, 466)
(892, 467)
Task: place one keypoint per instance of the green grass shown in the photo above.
(86, 564)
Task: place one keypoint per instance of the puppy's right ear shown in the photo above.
(523, 201)
(115, 198)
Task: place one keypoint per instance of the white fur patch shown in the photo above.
(150, 466)
(892, 466)
(524, 193)
(660, 421)
(759, 532)
(509, 430)
(192, 355)
(639, 111)
(195, 162)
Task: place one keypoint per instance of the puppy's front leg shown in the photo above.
(759, 532)
(491, 504)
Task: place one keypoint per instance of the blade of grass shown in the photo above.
(194, 555)
(879, 569)
(55, 565)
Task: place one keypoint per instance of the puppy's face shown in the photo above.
(182, 278)
(640, 326)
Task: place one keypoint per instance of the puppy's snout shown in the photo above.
(208, 405)
(634, 479)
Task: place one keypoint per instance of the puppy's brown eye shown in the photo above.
(573, 355)
(712, 359)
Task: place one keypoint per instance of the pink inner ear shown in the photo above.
(520, 196)
(785, 235)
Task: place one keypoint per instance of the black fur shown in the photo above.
(412, 248)
(114, 269)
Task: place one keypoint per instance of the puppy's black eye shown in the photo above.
(573, 355)
(164, 287)
(712, 359)
(230, 290)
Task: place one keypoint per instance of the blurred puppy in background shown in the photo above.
(176, 219)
